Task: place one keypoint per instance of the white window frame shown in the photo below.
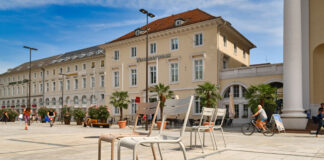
(92, 82)
(202, 39)
(116, 110)
(76, 84)
(84, 66)
(116, 58)
(68, 85)
(170, 72)
(76, 68)
(194, 71)
(131, 77)
(114, 79)
(225, 41)
(102, 81)
(131, 52)
(53, 86)
(61, 85)
(235, 49)
(156, 75)
(151, 48)
(84, 82)
(196, 99)
(177, 44)
(47, 87)
(133, 106)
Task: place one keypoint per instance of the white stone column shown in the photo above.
(293, 112)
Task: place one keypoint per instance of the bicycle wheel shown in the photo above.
(270, 130)
(248, 129)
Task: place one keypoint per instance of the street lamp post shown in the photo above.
(146, 86)
(29, 81)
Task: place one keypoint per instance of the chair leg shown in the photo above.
(212, 138)
(160, 151)
(202, 145)
(99, 149)
(112, 149)
(183, 150)
(153, 151)
(223, 136)
(134, 154)
(191, 139)
(118, 151)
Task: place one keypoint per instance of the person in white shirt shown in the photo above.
(262, 118)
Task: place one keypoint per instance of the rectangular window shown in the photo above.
(41, 74)
(235, 48)
(237, 111)
(152, 75)
(116, 110)
(225, 41)
(93, 82)
(198, 39)
(76, 83)
(34, 88)
(61, 85)
(116, 79)
(133, 106)
(61, 70)
(93, 65)
(153, 48)
(244, 54)
(224, 64)
(198, 69)
(47, 87)
(17, 90)
(198, 107)
(236, 89)
(53, 86)
(245, 111)
(35, 76)
(84, 66)
(68, 85)
(76, 68)
(22, 92)
(84, 82)
(47, 73)
(102, 63)
(133, 77)
(116, 55)
(13, 91)
(102, 82)
(174, 72)
(41, 88)
(133, 52)
(174, 44)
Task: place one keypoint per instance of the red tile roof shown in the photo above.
(190, 17)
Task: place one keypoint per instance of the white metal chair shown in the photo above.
(220, 112)
(206, 112)
(172, 107)
(143, 108)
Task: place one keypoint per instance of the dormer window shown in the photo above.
(178, 22)
(137, 32)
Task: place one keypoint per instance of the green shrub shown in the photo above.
(67, 112)
(103, 112)
(12, 114)
(42, 111)
(93, 112)
(79, 114)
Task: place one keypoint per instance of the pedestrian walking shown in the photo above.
(27, 113)
(320, 118)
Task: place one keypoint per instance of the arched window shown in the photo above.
(18, 103)
(47, 101)
(84, 99)
(34, 101)
(93, 99)
(23, 102)
(60, 100)
(240, 103)
(12, 102)
(8, 103)
(76, 100)
(53, 101)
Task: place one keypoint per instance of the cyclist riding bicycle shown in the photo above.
(262, 117)
(51, 116)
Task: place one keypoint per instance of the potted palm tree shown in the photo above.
(164, 93)
(262, 94)
(209, 96)
(120, 100)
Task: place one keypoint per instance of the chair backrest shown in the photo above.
(207, 112)
(176, 107)
(147, 108)
(220, 112)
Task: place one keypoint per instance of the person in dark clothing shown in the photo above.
(5, 117)
(320, 118)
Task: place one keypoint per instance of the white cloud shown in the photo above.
(101, 26)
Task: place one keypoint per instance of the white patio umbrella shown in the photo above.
(231, 109)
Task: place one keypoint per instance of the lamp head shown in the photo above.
(143, 11)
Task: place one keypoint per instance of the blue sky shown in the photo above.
(59, 26)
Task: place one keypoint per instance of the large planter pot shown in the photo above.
(79, 122)
(103, 120)
(121, 124)
(158, 123)
(206, 124)
(67, 121)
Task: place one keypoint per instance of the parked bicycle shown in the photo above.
(251, 127)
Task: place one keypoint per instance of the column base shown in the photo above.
(294, 119)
